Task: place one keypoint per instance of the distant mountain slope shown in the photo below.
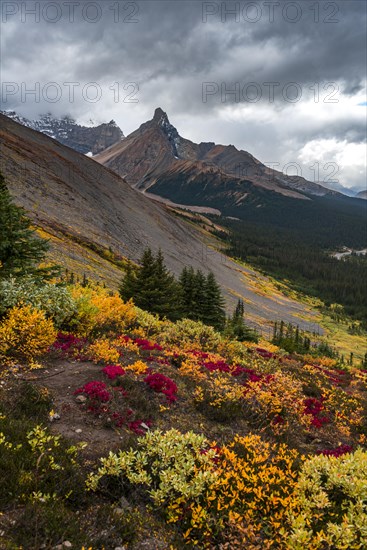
(84, 139)
(362, 195)
(85, 208)
(155, 154)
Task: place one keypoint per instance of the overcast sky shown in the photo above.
(283, 80)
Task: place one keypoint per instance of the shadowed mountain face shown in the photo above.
(84, 139)
(157, 158)
(84, 208)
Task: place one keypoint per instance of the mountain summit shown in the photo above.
(158, 158)
(160, 115)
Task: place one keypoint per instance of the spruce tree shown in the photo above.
(199, 297)
(128, 287)
(237, 328)
(21, 250)
(167, 295)
(152, 287)
(213, 311)
(240, 309)
(139, 284)
(187, 283)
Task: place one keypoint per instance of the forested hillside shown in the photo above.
(304, 259)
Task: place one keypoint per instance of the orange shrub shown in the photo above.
(139, 367)
(103, 350)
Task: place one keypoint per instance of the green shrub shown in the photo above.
(151, 324)
(191, 332)
(116, 526)
(331, 497)
(167, 465)
(36, 466)
(55, 301)
(26, 402)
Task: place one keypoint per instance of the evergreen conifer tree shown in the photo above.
(152, 286)
(167, 295)
(213, 312)
(187, 283)
(21, 250)
(237, 328)
(128, 287)
(199, 297)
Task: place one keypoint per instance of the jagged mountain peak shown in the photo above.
(160, 119)
(89, 140)
(160, 115)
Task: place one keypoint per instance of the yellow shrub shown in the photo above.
(26, 333)
(127, 345)
(114, 312)
(346, 409)
(263, 344)
(103, 350)
(232, 350)
(279, 396)
(190, 368)
(327, 362)
(137, 368)
(253, 487)
(245, 487)
(219, 391)
(138, 333)
(100, 312)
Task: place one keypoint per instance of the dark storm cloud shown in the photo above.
(170, 49)
(171, 39)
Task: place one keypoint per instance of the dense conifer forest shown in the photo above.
(304, 259)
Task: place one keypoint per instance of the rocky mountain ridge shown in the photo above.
(157, 153)
(84, 139)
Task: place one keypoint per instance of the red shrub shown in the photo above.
(146, 345)
(265, 353)
(95, 390)
(71, 346)
(339, 451)
(113, 371)
(162, 384)
(314, 407)
(221, 366)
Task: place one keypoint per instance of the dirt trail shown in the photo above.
(62, 378)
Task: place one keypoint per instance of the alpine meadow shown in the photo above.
(183, 275)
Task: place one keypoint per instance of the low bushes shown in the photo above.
(100, 312)
(246, 494)
(206, 489)
(55, 301)
(331, 503)
(36, 466)
(25, 333)
(193, 333)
